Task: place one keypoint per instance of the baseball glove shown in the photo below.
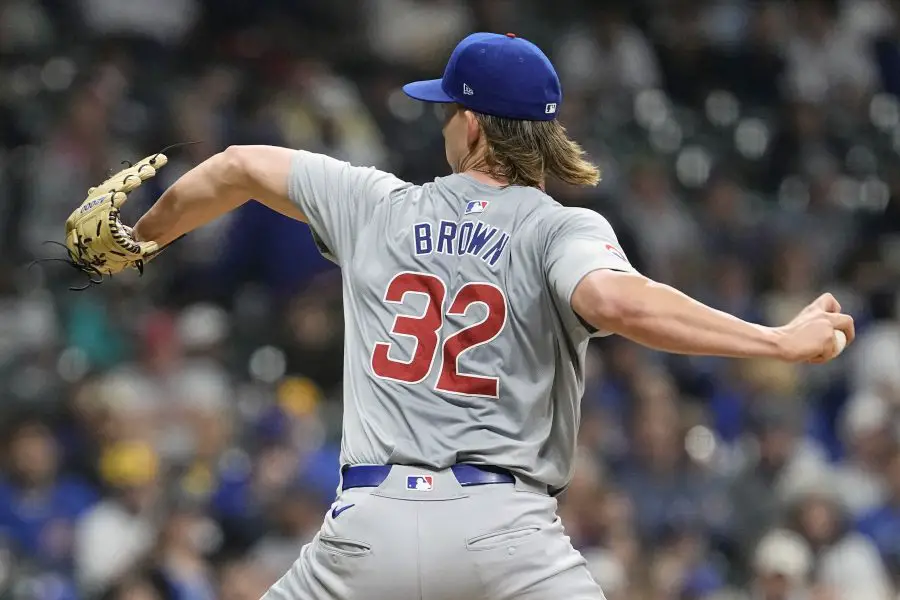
(97, 241)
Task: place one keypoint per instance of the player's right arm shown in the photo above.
(663, 318)
(589, 271)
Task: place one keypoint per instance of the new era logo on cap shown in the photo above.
(550, 108)
(467, 90)
(476, 206)
(421, 483)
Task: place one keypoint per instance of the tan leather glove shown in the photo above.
(97, 240)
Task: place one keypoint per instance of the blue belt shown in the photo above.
(467, 475)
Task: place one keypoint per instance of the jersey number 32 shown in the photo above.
(426, 330)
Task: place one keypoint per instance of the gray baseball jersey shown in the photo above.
(461, 344)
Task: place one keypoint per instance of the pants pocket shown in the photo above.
(503, 537)
(343, 546)
(531, 563)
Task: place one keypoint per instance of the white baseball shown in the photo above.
(840, 341)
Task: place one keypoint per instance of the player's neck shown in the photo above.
(491, 180)
(482, 177)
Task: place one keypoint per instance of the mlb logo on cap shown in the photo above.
(476, 206)
(422, 483)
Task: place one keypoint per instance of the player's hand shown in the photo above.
(810, 336)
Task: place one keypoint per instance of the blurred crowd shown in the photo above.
(176, 436)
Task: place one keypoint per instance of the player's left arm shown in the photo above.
(218, 185)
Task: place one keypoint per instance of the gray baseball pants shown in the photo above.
(440, 541)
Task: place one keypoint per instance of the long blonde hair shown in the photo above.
(525, 152)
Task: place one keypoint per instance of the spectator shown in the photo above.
(803, 145)
(204, 393)
(778, 458)
(608, 573)
(794, 275)
(882, 524)
(868, 438)
(727, 223)
(666, 231)
(686, 59)
(752, 69)
(601, 517)
(77, 152)
(120, 531)
(247, 491)
(25, 25)
(133, 17)
(866, 19)
(191, 421)
(733, 288)
(415, 32)
(296, 518)
(782, 566)
(660, 480)
(824, 61)
(847, 563)
(875, 358)
(322, 111)
(681, 566)
(607, 55)
(186, 538)
(601, 524)
(39, 506)
(312, 336)
(725, 23)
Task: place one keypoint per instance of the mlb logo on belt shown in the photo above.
(422, 483)
(476, 206)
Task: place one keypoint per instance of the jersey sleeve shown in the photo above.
(337, 199)
(580, 241)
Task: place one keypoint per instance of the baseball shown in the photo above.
(840, 342)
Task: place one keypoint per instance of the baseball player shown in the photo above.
(469, 303)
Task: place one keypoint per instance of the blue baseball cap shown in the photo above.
(499, 75)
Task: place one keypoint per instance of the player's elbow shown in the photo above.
(609, 300)
(261, 173)
(235, 167)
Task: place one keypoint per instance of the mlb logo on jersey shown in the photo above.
(476, 206)
(422, 483)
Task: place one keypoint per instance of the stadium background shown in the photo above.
(176, 436)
